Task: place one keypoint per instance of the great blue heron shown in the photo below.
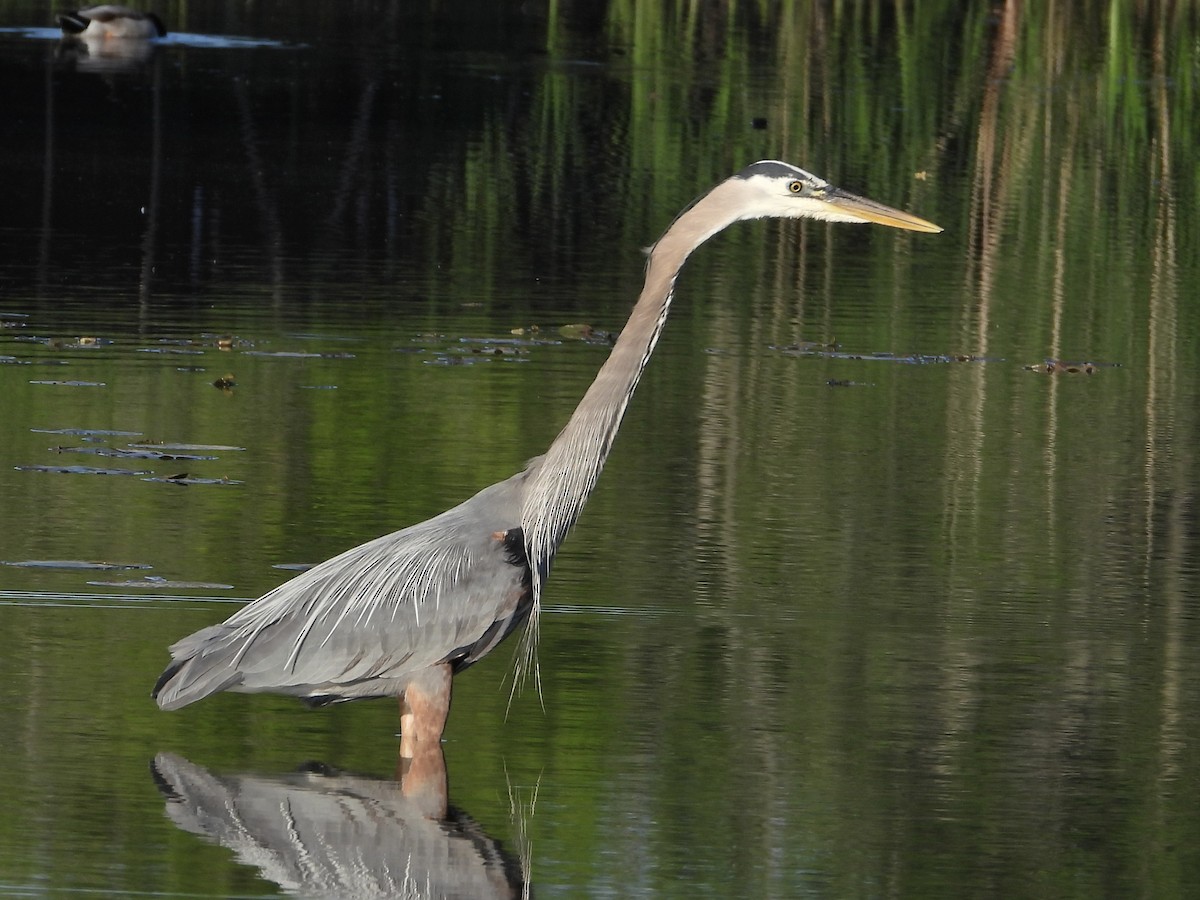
(111, 22)
(400, 615)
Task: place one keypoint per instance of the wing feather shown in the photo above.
(358, 624)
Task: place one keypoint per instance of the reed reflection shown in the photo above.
(319, 832)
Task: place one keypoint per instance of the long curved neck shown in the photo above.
(566, 475)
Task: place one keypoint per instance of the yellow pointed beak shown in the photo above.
(845, 203)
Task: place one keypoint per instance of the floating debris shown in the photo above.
(313, 336)
(163, 445)
(299, 354)
(512, 349)
(71, 343)
(588, 334)
(223, 341)
(509, 342)
(444, 359)
(318, 387)
(813, 347)
(72, 564)
(1058, 367)
(87, 432)
(185, 478)
(79, 470)
(843, 382)
(225, 382)
(73, 383)
(829, 351)
(284, 354)
(174, 351)
(578, 332)
(133, 453)
(294, 567)
(154, 581)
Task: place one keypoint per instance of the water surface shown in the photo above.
(874, 599)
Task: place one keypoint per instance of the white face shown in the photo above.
(787, 191)
(780, 190)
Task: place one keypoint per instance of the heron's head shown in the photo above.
(773, 189)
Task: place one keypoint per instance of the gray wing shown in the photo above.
(358, 625)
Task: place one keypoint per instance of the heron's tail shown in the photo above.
(200, 666)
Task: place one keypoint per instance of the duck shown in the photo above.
(111, 22)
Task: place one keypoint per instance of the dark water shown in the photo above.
(868, 602)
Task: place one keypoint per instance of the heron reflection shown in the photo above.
(321, 833)
(399, 616)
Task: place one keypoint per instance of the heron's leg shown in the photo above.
(423, 708)
(422, 779)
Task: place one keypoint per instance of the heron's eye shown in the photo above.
(796, 187)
